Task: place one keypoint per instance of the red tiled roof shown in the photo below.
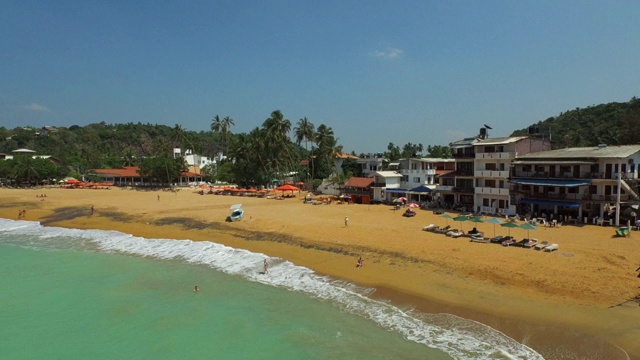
(359, 182)
(132, 171)
(127, 171)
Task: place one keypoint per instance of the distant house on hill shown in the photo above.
(128, 176)
(28, 152)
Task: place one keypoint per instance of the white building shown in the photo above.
(197, 162)
(492, 164)
(371, 163)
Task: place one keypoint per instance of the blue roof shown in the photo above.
(420, 189)
(550, 203)
(552, 182)
(398, 191)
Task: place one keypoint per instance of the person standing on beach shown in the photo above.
(158, 197)
(91, 209)
(359, 263)
(346, 221)
(266, 266)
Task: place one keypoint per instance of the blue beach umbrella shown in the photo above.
(510, 225)
(447, 216)
(528, 227)
(494, 221)
(461, 219)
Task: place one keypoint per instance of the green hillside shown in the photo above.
(611, 124)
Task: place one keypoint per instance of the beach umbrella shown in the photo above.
(510, 225)
(403, 199)
(461, 219)
(413, 205)
(528, 227)
(447, 216)
(494, 221)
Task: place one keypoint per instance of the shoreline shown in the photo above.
(405, 265)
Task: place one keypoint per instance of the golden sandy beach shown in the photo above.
(565, 301)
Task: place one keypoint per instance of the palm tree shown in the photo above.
(276, 129)
(216, 124)
(305, 131)
(227, 123)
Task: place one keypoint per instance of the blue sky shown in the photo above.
(427, 72)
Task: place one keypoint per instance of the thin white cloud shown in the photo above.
(37, 107)
(389, 53)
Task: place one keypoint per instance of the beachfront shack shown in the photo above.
(129, 176)
(359, 189)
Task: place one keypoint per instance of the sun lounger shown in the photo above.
(479, 238)
(552, 247)
(531, 243)
(430, 227)
(541, 245)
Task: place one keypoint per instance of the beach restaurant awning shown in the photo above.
(395, 191)
(550, 203)
(551, 182)
(420, 189)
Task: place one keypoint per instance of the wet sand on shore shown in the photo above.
(563, 304)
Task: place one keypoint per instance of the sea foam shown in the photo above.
(458, 337)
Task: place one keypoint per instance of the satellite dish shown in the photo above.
(488, 127)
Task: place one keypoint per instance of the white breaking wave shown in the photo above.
(458, 337)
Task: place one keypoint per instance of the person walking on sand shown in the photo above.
(346, 221)
(359, 263)
(266, 266)
(92, 209)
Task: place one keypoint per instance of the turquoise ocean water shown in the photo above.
(93, 294)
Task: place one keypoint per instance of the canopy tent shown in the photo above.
(396, 191)
(550, 203)
(420, 190)
(287, 187)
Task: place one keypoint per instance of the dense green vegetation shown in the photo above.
(611, 124)
(263, 154)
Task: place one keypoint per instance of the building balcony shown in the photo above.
(444, 187)
(464, 173)
(496, 155)
(491, 191)
(470, 155)
(492, 174)
(464, 190)
(427, 172)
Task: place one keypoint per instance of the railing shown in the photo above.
(464, 173)
(574, 197)
(496, 155)
(444, 187)
(464, 155)
(466, 190)
(491, 191)
(571, 175)
(492, 174)
(417, 171)
(492, 210)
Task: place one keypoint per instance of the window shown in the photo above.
(416, 179)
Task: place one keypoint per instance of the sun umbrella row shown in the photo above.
(494, 221)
